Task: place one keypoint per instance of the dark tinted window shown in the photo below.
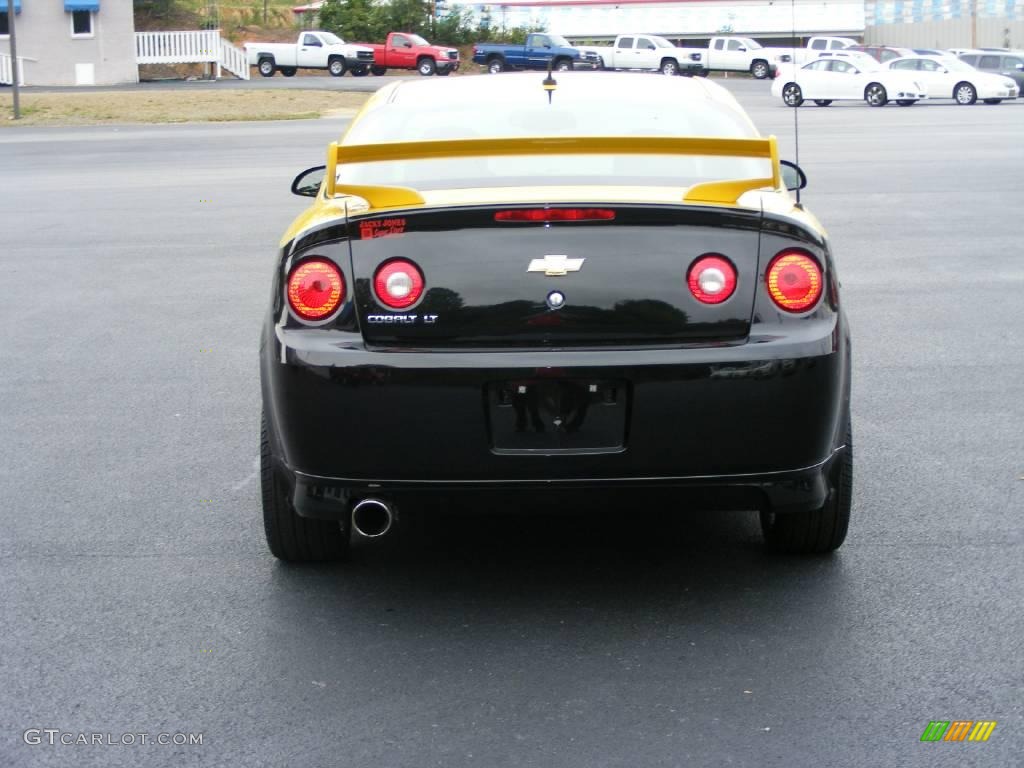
(81, 22)
(1011, 62)
(929, 66)
(970, 59)
(908, 64)
(644, 44)
(819, 45)
(626, 42)
(989, 62)
(310, 40)
(4, 29)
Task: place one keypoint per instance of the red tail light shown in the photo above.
(315, 289)
(555, 214)
(794, 281)
(712, 279)
(398, 283)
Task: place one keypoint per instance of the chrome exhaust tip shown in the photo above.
(372, 518)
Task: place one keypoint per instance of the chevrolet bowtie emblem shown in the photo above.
(554, 265)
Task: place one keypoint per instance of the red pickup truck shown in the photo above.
(404, 50)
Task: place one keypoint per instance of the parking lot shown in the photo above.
(139, 596)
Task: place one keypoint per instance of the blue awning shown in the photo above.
(80, 5)
(17, 5)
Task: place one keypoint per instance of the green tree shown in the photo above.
(361, 20)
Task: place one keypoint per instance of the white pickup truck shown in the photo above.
(652, 52)
(312, 50)
(743, 54)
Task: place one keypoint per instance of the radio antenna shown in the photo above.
(796, 110)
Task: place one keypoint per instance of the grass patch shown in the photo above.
(178, 106)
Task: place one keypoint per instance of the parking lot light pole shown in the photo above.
(14, 60)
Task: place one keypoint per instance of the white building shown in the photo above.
(72, 42)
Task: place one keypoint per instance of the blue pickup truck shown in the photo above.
(538, 51)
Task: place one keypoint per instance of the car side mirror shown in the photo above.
(1020, 67)
(307, 183)
(792, 176)
(742, 48)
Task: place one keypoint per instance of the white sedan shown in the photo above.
(954, 79)
(833, 79)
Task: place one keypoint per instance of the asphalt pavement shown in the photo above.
(138, 595)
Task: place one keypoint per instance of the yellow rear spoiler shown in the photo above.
(724, 192)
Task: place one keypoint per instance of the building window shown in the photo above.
(5, 29)
(81, 24)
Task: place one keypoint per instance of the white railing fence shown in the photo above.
(234, 60)
(199, 47)
(5, 69)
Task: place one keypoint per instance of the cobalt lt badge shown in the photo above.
(555, 265)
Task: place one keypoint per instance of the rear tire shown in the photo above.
(792, 96)
(336, 67)
(965, 94)
(495, 64)
(443, 72)
(378, 70)
(290, 537)
(426, 67)
(360, 70)
(906, 102)
(288, 71)
(823, 102)
(993, 101)
(266, 67)
(760, 69)
(819, 530)
(875, 95)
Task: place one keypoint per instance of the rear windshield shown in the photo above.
(563, 117)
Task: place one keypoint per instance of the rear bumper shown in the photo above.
(763, 420)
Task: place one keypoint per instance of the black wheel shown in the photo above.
(670, 67)
(288, 71)
(360, 70)
(819, 530)
(426, 67)
(266, 67)
(336, 67)
(760, 69)
(703, 72)
(965, 94)
(875, 95)
(792, 95)
(378, 70)
(443, 72)
(992, 101)
(906, 102)
(290, 537)
(823, 102)
(563, 65)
